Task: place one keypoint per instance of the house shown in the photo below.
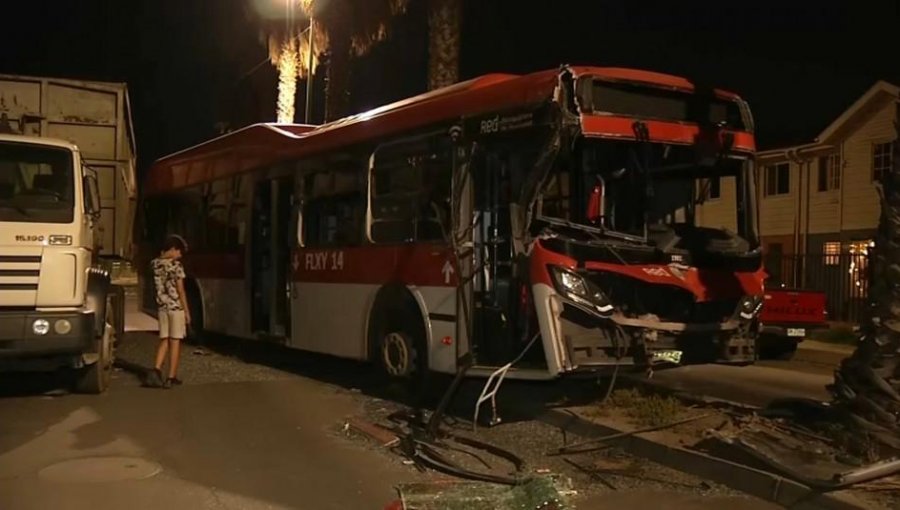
(818, 203)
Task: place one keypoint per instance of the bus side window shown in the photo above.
(333, 208)
(411, 190)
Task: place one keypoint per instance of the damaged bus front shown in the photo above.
(637, 225)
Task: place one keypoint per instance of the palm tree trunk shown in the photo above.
(337, 86)
(444, 25)
(867, 385)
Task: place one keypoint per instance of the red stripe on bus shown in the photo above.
(623, 128)
(705, 284)
(415, 264)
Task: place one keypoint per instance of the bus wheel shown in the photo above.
(398, 355)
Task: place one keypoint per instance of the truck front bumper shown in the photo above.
(20, 333)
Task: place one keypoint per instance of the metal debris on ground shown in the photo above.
(579, 447)
(814, 463)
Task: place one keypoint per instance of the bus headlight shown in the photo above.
(40, 327)
(750, 306)
(578, 289)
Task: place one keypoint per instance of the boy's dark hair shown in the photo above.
(175, 242)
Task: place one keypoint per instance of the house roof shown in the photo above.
(865, 105)
(876, 94)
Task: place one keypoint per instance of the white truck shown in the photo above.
(66, 202)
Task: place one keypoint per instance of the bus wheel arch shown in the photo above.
(397, 338)
(194, 295)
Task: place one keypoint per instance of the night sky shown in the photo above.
(191, 64)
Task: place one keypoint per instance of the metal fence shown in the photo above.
(843, 277)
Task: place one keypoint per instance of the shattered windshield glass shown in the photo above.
(627, 186)
(36, 183)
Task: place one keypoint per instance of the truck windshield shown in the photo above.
(630, 188)
(36, 183)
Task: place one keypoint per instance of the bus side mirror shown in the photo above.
(91, 196)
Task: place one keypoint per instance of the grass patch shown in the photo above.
(836, 335)
(647, 410)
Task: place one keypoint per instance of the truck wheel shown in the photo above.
(772, 347)
(95, 377)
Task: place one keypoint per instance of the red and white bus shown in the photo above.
(569, 219)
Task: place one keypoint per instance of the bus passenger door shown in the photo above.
(261, 257)
(270, 257)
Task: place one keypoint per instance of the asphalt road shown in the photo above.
(257, 428)
(271, 440)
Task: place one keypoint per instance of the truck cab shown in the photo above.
(57, 308)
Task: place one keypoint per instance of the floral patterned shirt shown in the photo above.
(166, 273)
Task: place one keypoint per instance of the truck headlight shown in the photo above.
(40, 327)
(578, 289)
(62, 327)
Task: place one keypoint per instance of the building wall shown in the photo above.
(777, 213)
(824, 206)
(860, 200)
(720, 212)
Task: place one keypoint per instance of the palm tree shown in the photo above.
(866, 389)
(343, 29)
(444, 26)
(352, 28)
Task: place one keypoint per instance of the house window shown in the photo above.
(778, 179)
(832, 251)
(715, 188)
(830, 172)
(881, 159)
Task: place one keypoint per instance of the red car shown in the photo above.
(787, 317)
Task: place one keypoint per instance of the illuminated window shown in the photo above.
(832, 251)
(859, 264)
(882, 157)
(830, 172)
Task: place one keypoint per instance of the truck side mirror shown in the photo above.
(91, 196)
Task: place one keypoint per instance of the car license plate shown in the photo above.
(667, 356)
(796, 332)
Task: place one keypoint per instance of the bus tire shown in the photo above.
(401, 351)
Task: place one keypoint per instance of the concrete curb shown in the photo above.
(761, 484)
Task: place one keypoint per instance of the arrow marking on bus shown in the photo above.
(447, 270)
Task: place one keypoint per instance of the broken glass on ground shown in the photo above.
(542, 493)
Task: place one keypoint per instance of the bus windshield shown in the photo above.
(36, 184)
(630, 187)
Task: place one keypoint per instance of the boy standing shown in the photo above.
(174, 314)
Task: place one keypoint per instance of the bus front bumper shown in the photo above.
(593, 341)
(25, 334)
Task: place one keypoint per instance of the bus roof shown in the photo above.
(260, 145)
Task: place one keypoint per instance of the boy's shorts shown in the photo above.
(171, 324)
